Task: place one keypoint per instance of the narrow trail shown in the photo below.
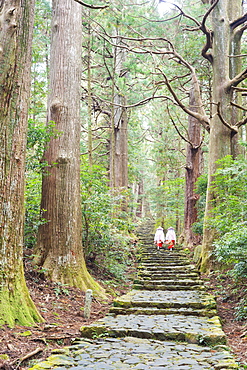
(167, 321)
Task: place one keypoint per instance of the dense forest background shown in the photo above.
(137, 110)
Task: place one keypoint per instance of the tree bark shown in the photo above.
(16, 24)
(119, 139)
(220, 134)
(59, 246)
(193, 166)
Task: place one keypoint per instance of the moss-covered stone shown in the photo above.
(95, 331)
(4, 357)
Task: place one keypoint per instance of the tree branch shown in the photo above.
(232, 128)
(91, 6)
(239, 106)
(241, 123)
(176, 128)
(238, 21)
(209, 34)
(237, 79)
(203, 119)
(240, 89)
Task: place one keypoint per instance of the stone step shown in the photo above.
(186, 311)
(136, 353)
(155, 276)
(168, 269)
(191, 329)
(164, 254)
(169, 281)
(173, 326)
(166, 299)
(164, 257)
(170, 287)
(163, 264)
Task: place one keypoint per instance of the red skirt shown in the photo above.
(171, 244)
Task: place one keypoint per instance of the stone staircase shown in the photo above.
(167, 321)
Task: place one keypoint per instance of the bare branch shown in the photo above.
(238, 21)
(237, 79)
(208, 33)
(240, 89)
(241, 123)
(238, 56)
(203, 119)
(182, 136)
(91, 6)
(239, 106)
(232, 128)
(184, 14)
(176, 128)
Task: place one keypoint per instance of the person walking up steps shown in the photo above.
(159, 237)
(170, 238)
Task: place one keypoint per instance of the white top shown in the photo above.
(159, 235)
(170, 235)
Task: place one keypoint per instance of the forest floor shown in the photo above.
(62, 309)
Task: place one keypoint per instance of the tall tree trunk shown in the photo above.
(193, 166)
(220, 134)
(16, 24)
(59, 243)
(235, 64)
(119, 140)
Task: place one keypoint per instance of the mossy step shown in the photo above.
(166, 259)
(191, 329)
(171, 275)
(166, 299)
(165, 262)
(160, 269)
(136, 353)
(170, 281)
(170, 287)
(186, 311)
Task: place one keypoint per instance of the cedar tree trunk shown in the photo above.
(59, 246)
(16, 24)
(193, 166)
(221, 134)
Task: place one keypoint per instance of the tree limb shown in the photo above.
(203, 119)
(208, 33)
(238, 21)
(238, 106)
(237, 79)
(241, 123)
(232, 128)
(28, 355)
(91, 6)
(182, 136)
(240, 89)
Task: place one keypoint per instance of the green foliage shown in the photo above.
(230, 188)
(32, 207)
(229, 215)
(38, 137)
(201, 189)
(105, 230)
(231, 249)
(241, 309)
(167, 200)
(61, 289)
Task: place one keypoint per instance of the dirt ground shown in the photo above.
(62, 309)
(228, 294)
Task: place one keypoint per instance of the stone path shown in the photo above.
(167, 321)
